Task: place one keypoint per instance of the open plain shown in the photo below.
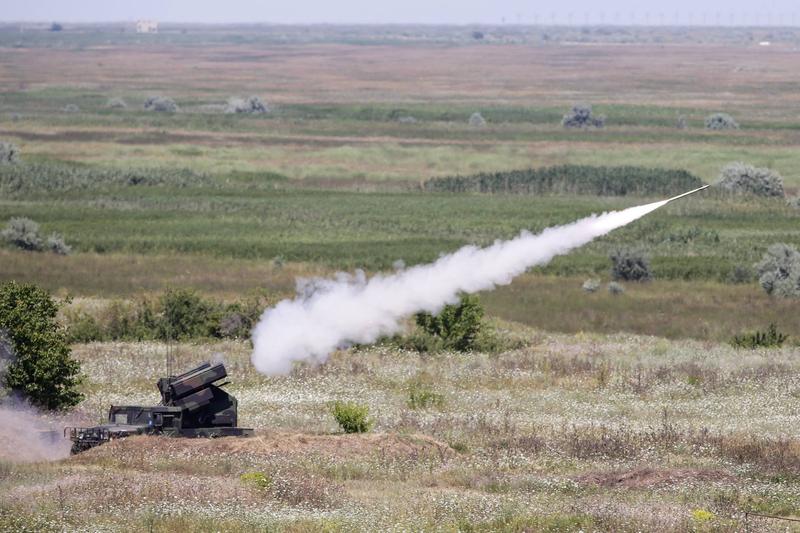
(598, 412)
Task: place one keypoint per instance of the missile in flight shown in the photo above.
(688, 193)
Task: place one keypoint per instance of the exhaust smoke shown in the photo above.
(331, 314)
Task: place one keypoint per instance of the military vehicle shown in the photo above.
(192, 405)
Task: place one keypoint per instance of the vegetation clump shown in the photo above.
(71, 108)
(581, 116)
(591, 285)
(779, 271)
(42, 369)
(351, 417)
(457, 326)
(252, 106)
(9, 153)
(476, 120)
(26, 179)
(55, 243)
(572, 179)
(615, 288)
(23, 233)
(721, 121)
(630, 265)
(421, 394)
(771, 338)
(116, 103)
(740, 178)
(161, 104)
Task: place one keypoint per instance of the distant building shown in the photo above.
(147, 26)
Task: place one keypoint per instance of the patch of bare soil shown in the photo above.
(388, 445)
(650, 477)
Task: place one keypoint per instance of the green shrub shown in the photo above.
(779, 271)
(23, 233)
(721, 121)
(160, 104)
(82, 327)
(630, 265)
(186, 315)
(9, 153)
(42, 369)
(572, 179)
(771, 338)
(351, 417)
(581, 116)
(457, 325)
(739, 178)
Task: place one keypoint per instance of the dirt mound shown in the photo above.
(389, 445)
(650, 477)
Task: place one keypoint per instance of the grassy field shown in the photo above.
(627, 412)
(588, 431)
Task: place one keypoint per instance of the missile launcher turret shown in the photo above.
(193, 404)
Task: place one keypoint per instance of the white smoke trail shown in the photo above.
(329, 314)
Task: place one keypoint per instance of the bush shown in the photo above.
(23, 233)
(71, 108)
(616, 288)
(55, 26)
(186, 315)
(116, 103)
(572, 179)
(457, 325)
(55, 243)
(259, 480)
(161, 104)
(771, 338)
(406, 119)
(42, 370)
(721, 121)
(591, 285)
(746, 179)
(9, 153)
(779, 271)
(681, 123)
(476, 120)
(630, 265)
(252, 105)
(351, 417)
(581, 116)
(422, 396)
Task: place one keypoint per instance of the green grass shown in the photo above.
(695, 239)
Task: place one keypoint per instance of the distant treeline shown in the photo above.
(572, 179)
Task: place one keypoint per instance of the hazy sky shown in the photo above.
(415, 11)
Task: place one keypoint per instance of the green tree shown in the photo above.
(186, 315)
(42, 367)
(458, 325)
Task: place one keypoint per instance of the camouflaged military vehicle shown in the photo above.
(192, 405)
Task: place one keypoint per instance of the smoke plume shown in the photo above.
(329, 314)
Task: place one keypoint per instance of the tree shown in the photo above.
(56, 27)
(42, 368)
(458, 325)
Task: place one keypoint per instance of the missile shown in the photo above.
(688, 193)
